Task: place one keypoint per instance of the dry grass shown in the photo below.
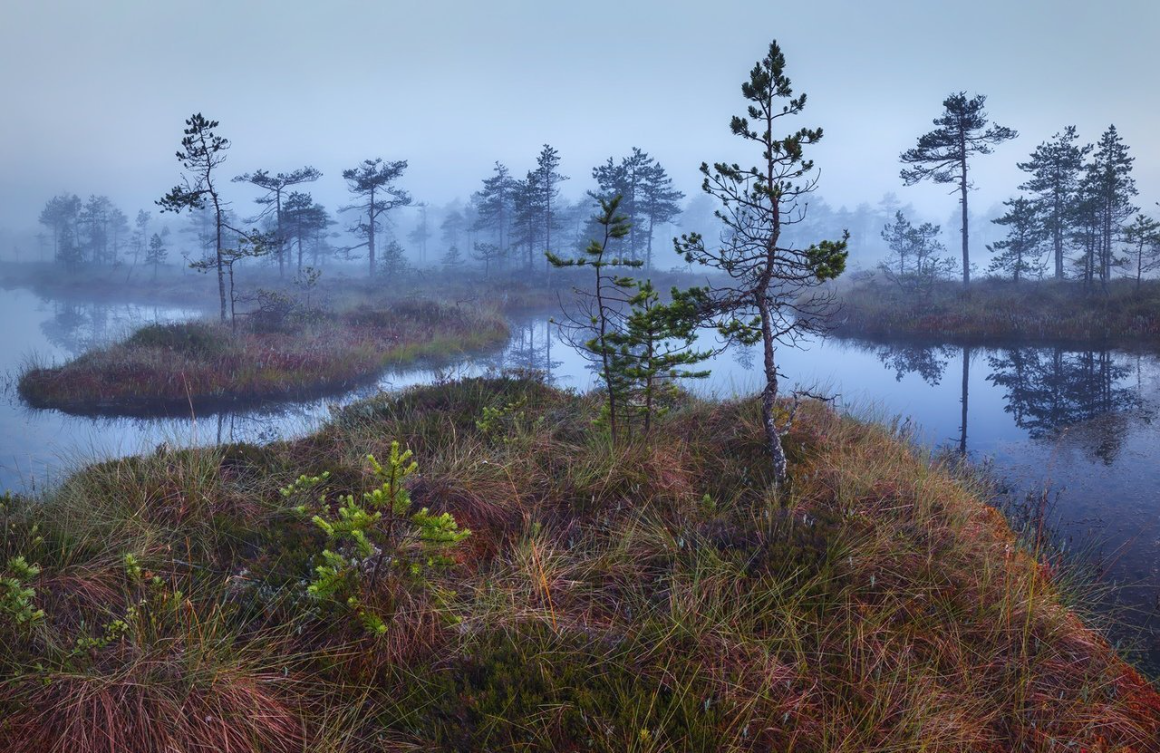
(657, 596)
(202, 366)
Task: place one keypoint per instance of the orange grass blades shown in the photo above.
(659, 595)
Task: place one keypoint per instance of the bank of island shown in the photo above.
(280, 352)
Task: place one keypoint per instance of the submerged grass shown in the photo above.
(1045, 311)
(202, 365)
(655, 596)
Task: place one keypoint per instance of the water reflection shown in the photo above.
(1077, 420)
(1046, 390)
(1050, 389)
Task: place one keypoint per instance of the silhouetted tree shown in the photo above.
(1056, 167)
(488, 254)
(156, 254)
(274, 186)
(202, 152)
(420, 233)
(916, 258)
(625, 179)
(547, 183)
(1143, 237)
(527, 215)
(771, 297)
(1017, 254)
(659, 203)
(452, 227)
(302, 220)
(942, 155)
(1111, 186)
(60, 215)
(373, 181)
(493, 206)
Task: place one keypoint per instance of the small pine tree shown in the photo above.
(657, 346)
(156, 254)
(452, 260)
(375, 536)
(639, 345)
(1018, 253)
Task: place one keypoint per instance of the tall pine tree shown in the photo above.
(1055, 168)
(943, 155)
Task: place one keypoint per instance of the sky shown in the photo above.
(95, 93)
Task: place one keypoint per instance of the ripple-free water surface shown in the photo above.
(1077, 421)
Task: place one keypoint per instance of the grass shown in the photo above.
(1035, 311)
(656, 596)
(202, 366)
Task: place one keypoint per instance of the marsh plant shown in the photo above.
(374, 537)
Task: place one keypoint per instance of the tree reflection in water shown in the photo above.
(1087, 393)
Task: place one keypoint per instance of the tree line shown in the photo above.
(1076, 214)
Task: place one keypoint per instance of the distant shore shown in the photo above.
(1046, 312)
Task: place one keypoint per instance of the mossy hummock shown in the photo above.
(655, 595)
(206, 367)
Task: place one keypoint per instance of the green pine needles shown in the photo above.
(375, 537)
(17, 597)
(639, 345)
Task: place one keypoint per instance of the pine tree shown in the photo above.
(657, 347)
(1056, 167)
(452, 227)
(1018, 253)
(942, 155)
(274, 186)
(156, 253)
(1111, 185)
(916, 260)
(598, 327)
(493, 204)
(548, 180)
(202, 152)
(770, 297)
(659, 204)
(1143, 237)
(373, 181)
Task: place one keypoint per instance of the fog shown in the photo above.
(96, 93)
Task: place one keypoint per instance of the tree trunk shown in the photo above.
(769, 399)
(963, 190)
(371, 231)
(220, 263)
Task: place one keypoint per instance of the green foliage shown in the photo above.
(768, 293)
(639, 344)
(1018, 253)
(375, 536)
(17, 597)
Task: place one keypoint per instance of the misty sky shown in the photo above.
(95, 93)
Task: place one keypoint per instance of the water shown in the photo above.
(1077, 423)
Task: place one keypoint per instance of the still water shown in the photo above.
(1076, 424)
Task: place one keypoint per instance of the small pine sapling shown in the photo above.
(375, 536)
